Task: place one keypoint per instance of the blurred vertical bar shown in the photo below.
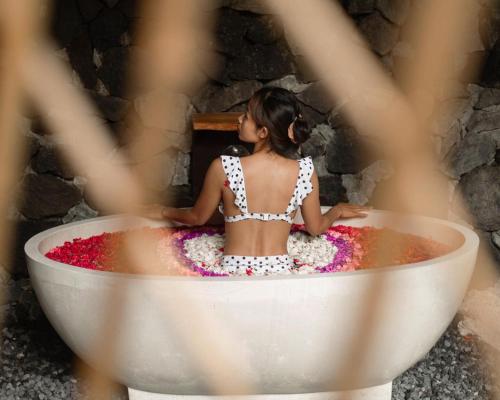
(18, 23)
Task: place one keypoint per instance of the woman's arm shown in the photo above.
(205, 205)
(316, 222)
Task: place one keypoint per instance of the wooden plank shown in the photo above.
(225, 122)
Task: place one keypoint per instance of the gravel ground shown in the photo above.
(36, 364)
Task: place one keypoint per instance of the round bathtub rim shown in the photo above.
(31, 249)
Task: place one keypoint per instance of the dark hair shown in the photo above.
(276, 108)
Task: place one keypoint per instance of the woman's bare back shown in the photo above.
(269, 182)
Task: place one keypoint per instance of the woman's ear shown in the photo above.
(291, 136)
(263, 132)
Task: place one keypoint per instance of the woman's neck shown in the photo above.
(261, 147)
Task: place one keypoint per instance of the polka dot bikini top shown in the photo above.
(236, 182)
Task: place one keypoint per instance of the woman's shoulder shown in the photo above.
(307, 161)
(231, 159)
(255, 161)
(307, 165)
(218, 165)
(227, 161)
(229, 165)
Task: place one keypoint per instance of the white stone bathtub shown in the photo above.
(294, 329)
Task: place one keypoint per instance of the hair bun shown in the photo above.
(301, 131)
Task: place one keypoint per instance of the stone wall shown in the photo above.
(253, 50)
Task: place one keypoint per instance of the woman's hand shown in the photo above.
(153, 211)
(346, 210)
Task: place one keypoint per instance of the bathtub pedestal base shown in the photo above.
(382, 392)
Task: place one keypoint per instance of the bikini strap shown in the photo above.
(235, 180)
(303, 186)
